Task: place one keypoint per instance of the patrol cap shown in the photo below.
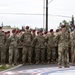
(17, 31)
(51, 30)
(45, 32)
(33, 31)
(27, 27)
(37, 32)
(14, 30)
(57, 30)
(5, 32)
(20, 31)
(8, 32)
(63, 26)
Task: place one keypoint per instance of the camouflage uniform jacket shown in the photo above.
(13, 40)
(72, 36)
(26, 39)
(64, 39)
(39, 42)
(50, 41)
(2, 40)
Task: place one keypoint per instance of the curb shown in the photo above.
(11, 68)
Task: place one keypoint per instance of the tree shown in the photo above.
(67, 24)
(72, 23)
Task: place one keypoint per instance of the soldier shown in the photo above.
(39, 44)
(45, 35)
(13, 50)
(33, 33)
(33, 49)
(63, 43)
(26, 39)
(73, 45)
(7, 46)
(56, 44)
(20, 46)
(2, 46)
(37, 33)
(50, 47)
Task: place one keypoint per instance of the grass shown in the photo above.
(2, 68)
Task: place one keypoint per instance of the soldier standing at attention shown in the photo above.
(13, 50)
(39, 44)
(20, 46)
(2, 46)
(50, 47)
(26, 39)
(7, 46)
(33, 49)
(73, 46)
(63, 43)
(56, 44)
(45, 35)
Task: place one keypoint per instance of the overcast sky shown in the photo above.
(56, 7)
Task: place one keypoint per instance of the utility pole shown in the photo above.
(46, 15)
(44, 12)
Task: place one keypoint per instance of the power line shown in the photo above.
(35, 14)
(50, 1)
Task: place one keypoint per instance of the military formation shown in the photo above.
(37, 47)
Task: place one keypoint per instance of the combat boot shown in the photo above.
(37, 63)
(60, 66)
(42, 62)
(66, 66)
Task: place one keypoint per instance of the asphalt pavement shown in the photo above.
(46, 69)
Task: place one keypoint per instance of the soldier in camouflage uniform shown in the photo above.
(63, 43)
(20, 47)
(39, 44)
(33, 49)
(7, 46)
(13, 50)
(72, 36)
(2, 46)
(26, 39)
(51, 51)
(56, 44)
(45, 35)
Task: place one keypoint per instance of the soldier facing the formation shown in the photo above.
(63, 44)
(73, 45)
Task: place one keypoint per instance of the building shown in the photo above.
(7, 28)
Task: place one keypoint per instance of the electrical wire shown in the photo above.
(50, 1)
(36, 14)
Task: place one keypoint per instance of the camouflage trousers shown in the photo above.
(63, 55)
(33, 55)
(51, 54)
(26, 51)
(20, 55)
(13, 55)
(16, 55)
(73, 56)
(2, 55)
(7, 55)
(39, 55)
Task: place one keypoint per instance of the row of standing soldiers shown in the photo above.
(42, 48)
